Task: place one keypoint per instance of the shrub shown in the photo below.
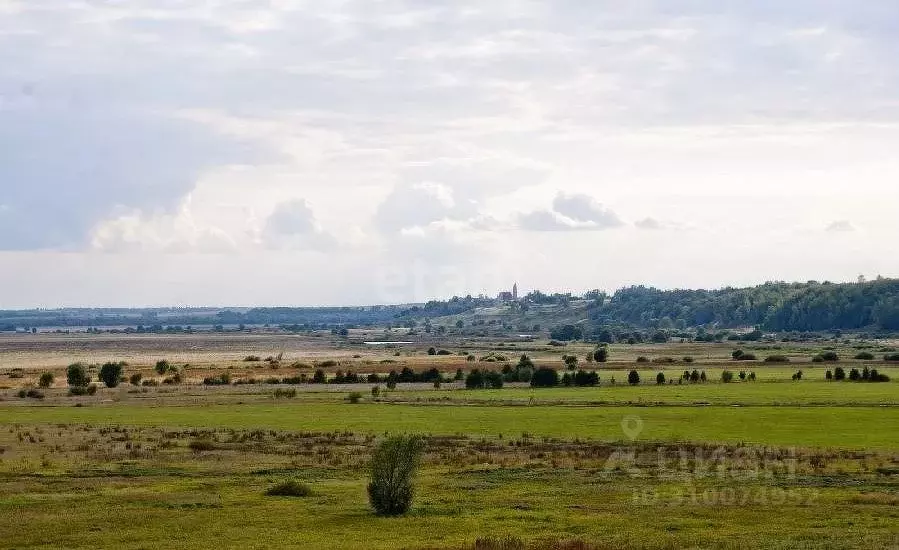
(135, 379)
(743, 375)
(878, 377)
(633, 378)
(688, 359)
(583, 378)
(392, 469)
(545, 377)
(694, 376)
(798, 375)
(740, 355)
(839, 374)
(354, 397)
(432, 351)
(46, 380)
(31, 394)
(865, 356)
(319, 377)
(828, 375)
(83, 390)
(777, 359)
(702, 377)
(290, 488)
(250, 359)
(162, 367)
(221, 380)
(737, 354)
(727, 377)
(460, 375)
(77, 376)
(571, 361)
(642, 359)
(660, 378)
(601, 355)
(201, 445)
(444, 352)
(752, 376)
(17, 373)
(854, 375)
(664, 360)
(891, 357)
(827, 356)
(284, 393)
(111, 374)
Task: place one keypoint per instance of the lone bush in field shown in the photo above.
(392, 469)
(865, 356)
(77, 376)
(660, 378)
(601, 355)
(46, 380)
(162, 367)
(727, 377)
(135, 379)
(111, 374)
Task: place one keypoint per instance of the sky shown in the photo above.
(344, 152)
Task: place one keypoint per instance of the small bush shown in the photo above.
(135, 379)
(798, 375)
(83, 390)
(375, 391)
(354, 397)
(392, 471)
(46, 380)
(633, 378)
(855, 375)
(688, 359)
(290, 488)
(660, 378)
(727, 377)
(601, 355)
(31, 394)
(77, 376)
(826, 357)
(545, 377)
(201, 445)
(162, 367)
(432, 351)
(664, 360)
(642, 359)
(891, 357)
(865, 356)
(285, 393)
(111, 374)
(839, 374)
(777, 359)
(251, 359)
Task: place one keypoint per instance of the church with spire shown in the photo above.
(507, 296)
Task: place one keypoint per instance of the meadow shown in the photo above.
(775, 463)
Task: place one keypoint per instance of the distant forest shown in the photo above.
(773, 307)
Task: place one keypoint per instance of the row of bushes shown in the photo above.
(865, 375)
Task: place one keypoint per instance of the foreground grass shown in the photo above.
(842, 427)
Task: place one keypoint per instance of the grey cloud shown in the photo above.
(63, 170)
(575, 212)
(840, 226)
(584, 208)
(293, 225)
(651, 224)
(418, 205)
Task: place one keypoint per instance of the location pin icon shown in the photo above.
(632, 426)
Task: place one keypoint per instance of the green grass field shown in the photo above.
(768, 464)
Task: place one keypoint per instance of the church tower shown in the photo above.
(515, 292)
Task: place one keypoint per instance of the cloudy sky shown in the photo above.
(253, 152)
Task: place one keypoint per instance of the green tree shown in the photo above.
(111, 374)
(77, 376)
(633, 378)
